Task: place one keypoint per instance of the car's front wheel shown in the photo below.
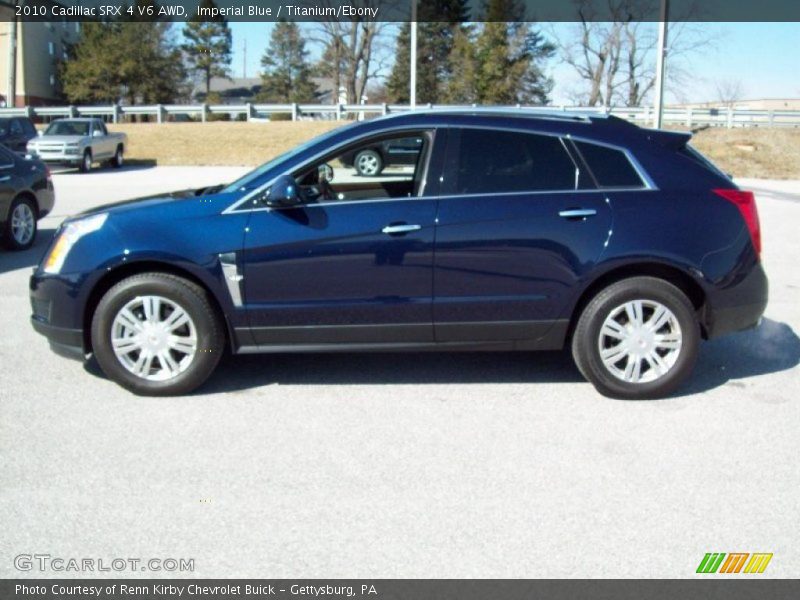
(637, 339)
(157, 334)
(86, 161)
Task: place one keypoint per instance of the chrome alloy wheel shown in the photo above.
(640, 341)
(368, 164)
(23, 224)
(154, 338)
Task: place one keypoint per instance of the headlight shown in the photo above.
(69, 235)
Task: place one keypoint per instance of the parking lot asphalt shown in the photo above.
(434, 465)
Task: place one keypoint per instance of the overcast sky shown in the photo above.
(764, 57)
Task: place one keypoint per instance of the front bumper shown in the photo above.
(57, 158)
(64, 342)
(57, 312)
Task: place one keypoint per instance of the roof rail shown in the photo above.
(531, 112)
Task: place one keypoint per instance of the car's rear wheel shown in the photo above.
(637, 339)
(20, 228)
(86, 162)
(119, 158)
(157, 334)
(368, 163)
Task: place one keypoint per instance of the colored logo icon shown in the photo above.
(734, 562)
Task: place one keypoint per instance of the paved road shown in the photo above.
(498, 465)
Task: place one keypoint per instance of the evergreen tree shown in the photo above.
(464, 64)
(509, 54)
(287, 73)
(134, 61)
(208, 46)
(89, 76)
(434, 42)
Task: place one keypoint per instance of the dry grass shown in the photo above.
(754, 152)
(218, 142)
(763, 153)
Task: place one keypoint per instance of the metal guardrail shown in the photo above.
(162, 113)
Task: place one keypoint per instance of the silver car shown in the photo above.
(80, 143)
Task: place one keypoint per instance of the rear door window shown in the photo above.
(488, 161)
(610, 167)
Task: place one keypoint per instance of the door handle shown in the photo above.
(400, 228)
(577, 213)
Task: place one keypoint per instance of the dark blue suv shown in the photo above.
(509, 230)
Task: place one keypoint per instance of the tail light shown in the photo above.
(746, 203)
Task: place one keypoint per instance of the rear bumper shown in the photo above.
(738, 306)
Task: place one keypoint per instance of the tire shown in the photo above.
(86, 162)
(154, 357)
(20, 229)
(119, 158)
(607, 345)
(369, 163)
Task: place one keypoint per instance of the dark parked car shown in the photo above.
(26, 195)
(15, 133)
(513, 231)
(371, 161)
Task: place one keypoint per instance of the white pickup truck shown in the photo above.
(80, 143)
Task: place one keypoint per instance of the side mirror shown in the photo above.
(283, 193)
(325, 172)
(97, 133)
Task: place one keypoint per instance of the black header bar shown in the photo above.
(397, 10)
(709, 588)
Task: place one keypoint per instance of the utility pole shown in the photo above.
(413, 82)
(11, 93)
(661, 59)
(244, 59)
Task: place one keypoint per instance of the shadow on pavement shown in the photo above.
(11, 261)
(244, 372)
(130, 165)
(769, 348)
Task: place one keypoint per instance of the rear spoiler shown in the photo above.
(672, 140)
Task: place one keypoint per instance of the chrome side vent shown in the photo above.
(233, 278)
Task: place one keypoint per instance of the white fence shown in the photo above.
(162, 113)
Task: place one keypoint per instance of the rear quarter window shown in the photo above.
(610, 167)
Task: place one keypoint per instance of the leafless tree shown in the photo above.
(616, 60)
(351, 56)
(594, 52)
(729, 91)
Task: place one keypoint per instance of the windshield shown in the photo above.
(68, 128)
(255, 178)
(3, 126)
